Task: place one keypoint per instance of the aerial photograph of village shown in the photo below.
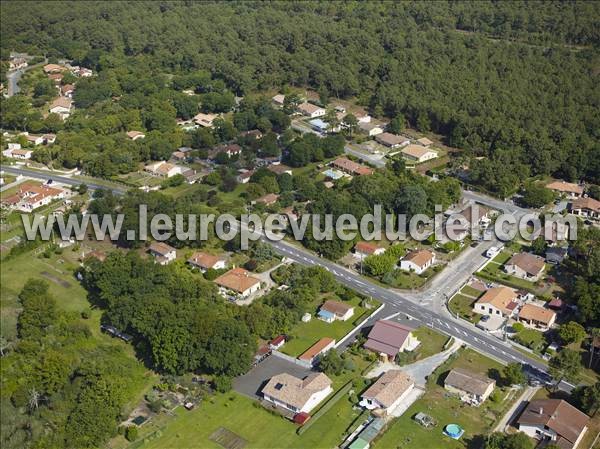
(300, 224)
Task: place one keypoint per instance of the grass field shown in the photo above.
(405, 433)
(431, 342)
(304, 335)
(405, 280)
(260, 428)
(70, 296)
(463, 306)
(532, 339)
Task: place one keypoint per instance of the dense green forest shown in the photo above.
(514, 81)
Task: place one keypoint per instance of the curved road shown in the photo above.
(405, 303)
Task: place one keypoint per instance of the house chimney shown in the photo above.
(541, 411)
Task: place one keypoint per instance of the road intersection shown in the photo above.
(426, 307)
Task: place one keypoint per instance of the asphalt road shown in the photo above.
(58, 178)
(411, 307)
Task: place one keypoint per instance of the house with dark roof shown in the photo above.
(388, 338)
(472, 388)
(555, 421)
(525, 266)
(556, 254)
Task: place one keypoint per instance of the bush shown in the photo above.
(222, 384)
(131, 433)
(86, 313)
(518, 327)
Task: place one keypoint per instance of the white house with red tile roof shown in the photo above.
(417, 261)
(365, 249)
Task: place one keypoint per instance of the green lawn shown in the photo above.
(532, 339)
(304, 335)
(63, 286)
(432, 342)
(405, 433)
(470, 291)
(260, 428)
(405, 280)
(463, 306)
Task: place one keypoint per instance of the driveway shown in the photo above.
(420, 370)
(254, 380)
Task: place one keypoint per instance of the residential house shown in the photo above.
(164, 169)
(537, 317)
(311, 110)
(586, 208)
(312, 354)
(56, 77)
(82, 72)
(569, 189)
(389, 391)
(297, 395)
(268, 199)
(322, 126)
(424, 141)
(472, 388)
(163, 253)
(135, 135)
(49, 138)
(17, 63)
(556, 254)
(62, 107)
(392, 140)
(230, 150)
(370, 129)
(418, 153)
(18, 153)
(457, 231)
(279, 169)
(67, 90)
(351, 167)
(178, 156)
(54, 68)
(332, 310)
(365, 249)
(278, 99)
(253, 133)
(476, 215)
(497, 301)
(30, 197)
(525, 266)
(555, 421)
(277, 342)
(388, 338)
(34, 139)
(204, 120)
(238, 281)
(205, 261)
(418, 261)
(244, 176)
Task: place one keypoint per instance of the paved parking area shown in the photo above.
(253, 381)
